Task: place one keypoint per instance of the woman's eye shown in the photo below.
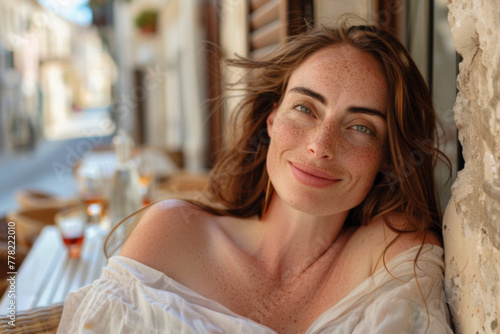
(303, 109)
(362, 129)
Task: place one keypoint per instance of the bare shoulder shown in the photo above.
(377, 240)
(170, 234)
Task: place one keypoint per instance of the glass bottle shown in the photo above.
(125, 196)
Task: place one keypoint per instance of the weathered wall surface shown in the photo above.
(472, 219)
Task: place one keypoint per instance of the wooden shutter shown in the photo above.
(268, 25)
(272, 20)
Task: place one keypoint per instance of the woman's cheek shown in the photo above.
(286, 132)
(365, 161)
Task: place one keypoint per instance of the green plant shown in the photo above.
(147, 19)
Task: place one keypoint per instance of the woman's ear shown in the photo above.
(270, 121)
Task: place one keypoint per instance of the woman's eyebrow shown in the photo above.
(308, 92)
(369, 111)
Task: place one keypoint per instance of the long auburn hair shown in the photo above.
(239, 183)
(239, 179)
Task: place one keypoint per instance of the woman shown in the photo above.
(323, 216)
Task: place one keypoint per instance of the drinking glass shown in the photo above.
(146, 177)
(91, 188)
(71, 224)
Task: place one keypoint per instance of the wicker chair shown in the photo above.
(38, 320)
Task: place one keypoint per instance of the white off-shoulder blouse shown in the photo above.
(131, 297)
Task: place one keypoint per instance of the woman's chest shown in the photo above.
(290, 307)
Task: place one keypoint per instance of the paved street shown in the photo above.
(49, 168)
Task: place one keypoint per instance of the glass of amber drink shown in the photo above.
(91, 188)
(146, 178)
(71, 224)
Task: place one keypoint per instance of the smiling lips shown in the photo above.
(311, 176)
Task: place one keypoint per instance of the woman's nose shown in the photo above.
(322, 145)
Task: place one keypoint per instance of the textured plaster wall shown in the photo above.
(472, 219)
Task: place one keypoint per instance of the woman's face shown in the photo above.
(329, 134)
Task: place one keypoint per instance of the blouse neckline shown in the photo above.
(341, 305)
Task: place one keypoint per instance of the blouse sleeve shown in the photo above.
(89, 310)
(399, 307)
(114, 306)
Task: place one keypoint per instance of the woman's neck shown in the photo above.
(292, 241)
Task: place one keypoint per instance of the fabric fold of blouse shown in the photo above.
(131, 297)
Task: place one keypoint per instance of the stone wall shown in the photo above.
(472, 219)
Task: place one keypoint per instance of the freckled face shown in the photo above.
(329, 134)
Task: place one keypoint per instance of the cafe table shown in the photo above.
(47, 275)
